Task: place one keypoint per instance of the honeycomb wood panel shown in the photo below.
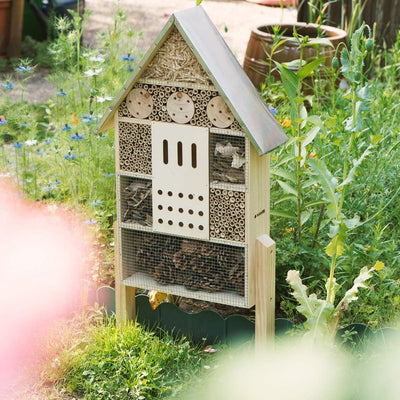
(227, 215)
(162, 96)
(134, 147)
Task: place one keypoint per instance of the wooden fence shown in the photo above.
(386, 14)
(209, 327)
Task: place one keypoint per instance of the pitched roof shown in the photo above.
(224, 71)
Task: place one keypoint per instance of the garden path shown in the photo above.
(233, 18)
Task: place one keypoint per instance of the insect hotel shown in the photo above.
(191, 134)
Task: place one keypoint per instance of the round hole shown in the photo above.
(220, 111)
(212, 105)
(173, 114)
(170, 222)
(229, 118)
(139, 103)
(160, 207)
(180, 224)
(180, 108)
(180, 195)
(190, 212)
(191, 226)
(148, 105)
(159, 191)
(130, 101)
(174, 97)
(160, 221)
(201, 227)
(181, 210)
(141, 92)
(169, 193)
(170, 208)
(201, 198)
(190, 196)
(214, 119)
(187, 101)
(201, 213)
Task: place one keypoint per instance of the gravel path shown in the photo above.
(233, 18)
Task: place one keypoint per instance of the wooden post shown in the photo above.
(125, 307)
(17, 19)
(265, 292)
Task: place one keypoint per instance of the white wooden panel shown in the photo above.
(180, 186)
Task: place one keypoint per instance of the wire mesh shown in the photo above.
(228, 159)
(194, 265)
(136, 200)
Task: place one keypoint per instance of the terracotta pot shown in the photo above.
(256, 61)
(275, 3)
(5, 22)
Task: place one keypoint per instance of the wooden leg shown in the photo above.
(125, 307)
(265, 292)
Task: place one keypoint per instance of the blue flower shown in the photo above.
(24, 69)
(23, 125)
(70, 157)
(66, 127)
(61, 93)
(273, 110)
(77, 136)
(96, 203)
(8, 85)
(48, 188)
(103, 136)
(90, 222)
(48, 141)
(130, 68)
(17, 145)
(56, 182)
(128, 58)
(108, 175)
(3, 121)
(87, 119)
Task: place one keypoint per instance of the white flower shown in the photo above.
(93, 72)
(31, 142)
(103, 99)
(98, 58)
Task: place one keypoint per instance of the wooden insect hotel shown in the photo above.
(192, 187)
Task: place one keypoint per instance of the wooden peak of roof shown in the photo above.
(223, 70)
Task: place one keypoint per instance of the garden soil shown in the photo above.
(233, 18)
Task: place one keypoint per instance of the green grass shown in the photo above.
(92, 357)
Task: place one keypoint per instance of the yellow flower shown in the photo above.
(379, 265)
(286, 123)
(74, 120)
(288, 230)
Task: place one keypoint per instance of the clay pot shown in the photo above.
(256, 61)
(5, 21)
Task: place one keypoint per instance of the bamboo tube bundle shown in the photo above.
(135, 147)
(227, 215)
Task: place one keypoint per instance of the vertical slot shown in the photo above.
(180, 155)
(194, 155)
(165, 151)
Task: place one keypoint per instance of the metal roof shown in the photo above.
(224, 71)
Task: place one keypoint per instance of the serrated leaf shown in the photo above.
(307, 69)
(358, 283)
(291, 176)
(356, 164)
(290, 82)
(305, 216)
(286, 187)
(284, 214)
(329, 184)
(336, 247)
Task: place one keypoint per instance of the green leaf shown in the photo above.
(305, 216)
(319, 41)
(287, 188)
(284, 214)
(312, 133)
(287, 197)
(307, 69)
(318, 312)
(329, 184)
(335, 248)
(289, 80)
(356, 164)
(198, 2)
(290, 176)
(332, 290)
(358, 283)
